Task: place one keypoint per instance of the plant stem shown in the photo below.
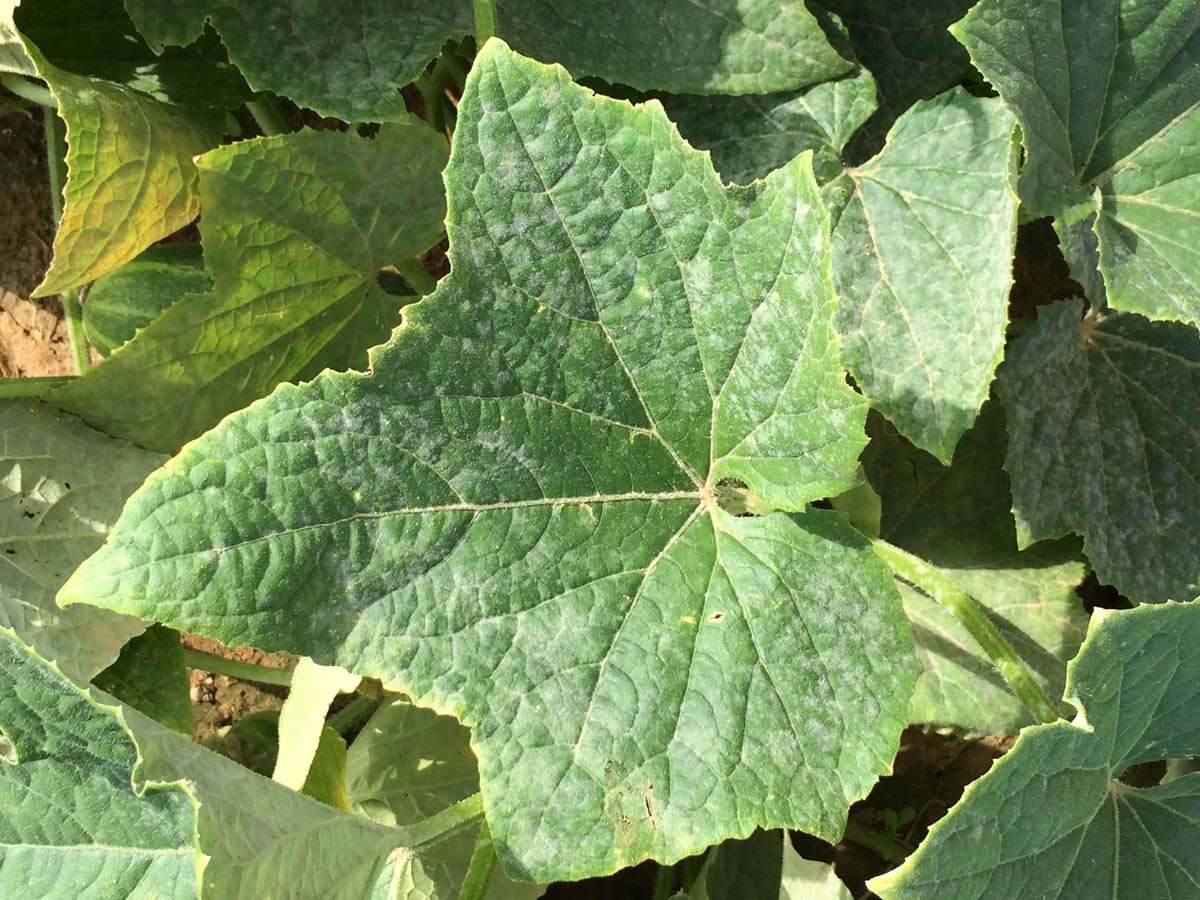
(27, 90)
(352, 713)
(485, 21)
(478, 879)
(219, 665)
(920, 573)
(450, 820)
(887, 846)
(268, 115)
(32, 387)
(416, 276)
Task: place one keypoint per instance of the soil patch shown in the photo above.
(218, 700)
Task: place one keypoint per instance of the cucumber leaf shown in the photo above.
(1111, 452)
(134, 123)
(133, 296)
(61, 486)
(13, 57)
(516, 516)
(1108, 96)
(72, 825)
(764, 866)
(300, 296)
(351, 65)
(406, 765)
(1051, 817)
(923, 237)
(959, 519)
(150, 675)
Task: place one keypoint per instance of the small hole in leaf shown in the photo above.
(716, 617)
(10, 551)
(392, 282)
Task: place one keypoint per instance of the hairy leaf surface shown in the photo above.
(296, 229)
(1102, 418)
(406, 765)
(1051, 818)
(959, 519)
(1108, 96)
(514, 518)
(62, 486)
(351, 65)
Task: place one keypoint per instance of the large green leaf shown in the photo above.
(134, 122)
(1102, 418)
(751, 135)
(1051, 818)
(406, 765)
(1107, 93)
(133, 296)
(908, 49)
(959, 518)
(515, 518)
(923, 262)
(72, 826)
(295, 230)
(351, 64)
(923, 240)
(61, 486)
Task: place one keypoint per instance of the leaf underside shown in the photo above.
(1050, 818)
(513, 517)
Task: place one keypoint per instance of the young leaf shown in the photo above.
(150, 675)
(1107, 93)
(134, 122)
(923, 239)
(1051, 816)
(71, 823)
(923, 262)
(61, 486)
(514, 518)
(133, 296)
(350, 65)
(299, 296)
(406, 765)
(959, 518)
(908, 49)
(1102, 421)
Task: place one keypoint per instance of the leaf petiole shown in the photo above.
(28, 90)
(478, 879)
(219, 665)
(916, 571)
(449, 821)
(485, 21)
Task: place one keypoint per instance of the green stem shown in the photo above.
(76, 334)
(268, 114)
(219, 665)
(478, 879)
(32, 387)
(485, 21)
(352, 713)
(27, 90)
(432, 86)
(920, 573)
(450, 820)
(416, 276)
(887, 846)
(664, 882)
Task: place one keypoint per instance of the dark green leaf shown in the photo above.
(514, 518)
(1102, 418)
